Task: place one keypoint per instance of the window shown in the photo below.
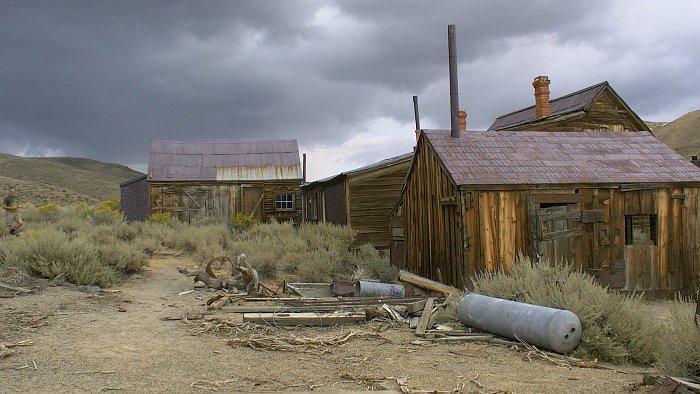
(284, 202)
(312, 207)
(640, 230)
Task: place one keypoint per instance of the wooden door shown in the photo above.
(558, 233)
(252, 201)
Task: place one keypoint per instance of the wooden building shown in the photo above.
(595, 108)
(621, 206)
(218, 179)
(361, 198)
(134, 198)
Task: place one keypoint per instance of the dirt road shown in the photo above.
(103, 342)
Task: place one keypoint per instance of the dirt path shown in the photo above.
(82, 342)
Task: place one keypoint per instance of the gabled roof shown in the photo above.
(374, 166)
(224, 161)
(530, 157)
(568, 104)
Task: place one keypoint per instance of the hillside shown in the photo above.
(113, 169)
(62, 180)
(683, 134)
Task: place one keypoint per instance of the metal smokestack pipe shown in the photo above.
(303, 171)
(415, 112)
(454, 95)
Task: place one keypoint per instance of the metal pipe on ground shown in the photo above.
(376, 289)
(549, 328)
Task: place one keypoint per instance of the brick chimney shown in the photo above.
(462, 115)
(541, 85)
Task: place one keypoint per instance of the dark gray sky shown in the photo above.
(100, 79)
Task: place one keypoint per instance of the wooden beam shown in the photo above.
(559, 198)
(305, 318)
(425, 283)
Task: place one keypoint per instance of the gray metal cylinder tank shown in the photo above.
(376, 289)
(544, 327)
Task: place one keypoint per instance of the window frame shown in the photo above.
(652, 229)
(287, 199)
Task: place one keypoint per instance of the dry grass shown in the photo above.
(615, 326)
(678, 352)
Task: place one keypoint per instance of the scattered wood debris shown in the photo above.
(301, 344)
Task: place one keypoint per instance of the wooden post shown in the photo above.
(532, 229)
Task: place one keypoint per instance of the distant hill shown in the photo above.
(113, 169)
(655, 125)
(683, 134)
(62, 179)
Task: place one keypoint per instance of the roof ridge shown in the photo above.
(592, 87)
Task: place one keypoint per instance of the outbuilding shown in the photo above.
(197, 180)
(621, 206)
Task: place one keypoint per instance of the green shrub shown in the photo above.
(678, 352)
(615, 327)
(121, 256)
(376, 264)
(51, 253)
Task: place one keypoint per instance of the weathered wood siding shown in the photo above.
(371, 197)
(191, 201)
(602, 115)
(496, 230)
(433, 238)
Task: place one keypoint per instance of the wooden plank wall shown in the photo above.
(372, 196)
(431, 207)
(495, 231)
(218, 200)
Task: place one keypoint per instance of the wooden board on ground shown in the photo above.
(305, 318)
(425, 317)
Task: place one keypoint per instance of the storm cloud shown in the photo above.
(99, 79)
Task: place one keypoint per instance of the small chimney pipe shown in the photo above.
(415, 112)
(416, 116)
(454, 96)
(303, 171)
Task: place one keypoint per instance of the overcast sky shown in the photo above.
(100, 79)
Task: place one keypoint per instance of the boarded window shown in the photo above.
(640, 230)
(312, 207)
(284, 202)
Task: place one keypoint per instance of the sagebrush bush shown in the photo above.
(121, 256)
(51, 253)
(616, 327)
(678, 352)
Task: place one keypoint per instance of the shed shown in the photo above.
(595, 108)
(361, 198)
(219, 179)
(621, 206)
(134, 198)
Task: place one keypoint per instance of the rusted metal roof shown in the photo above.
(570, 103)
(224, 161)
(531, 157)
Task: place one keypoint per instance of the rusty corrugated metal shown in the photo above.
(263, 173)
(233, 160)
